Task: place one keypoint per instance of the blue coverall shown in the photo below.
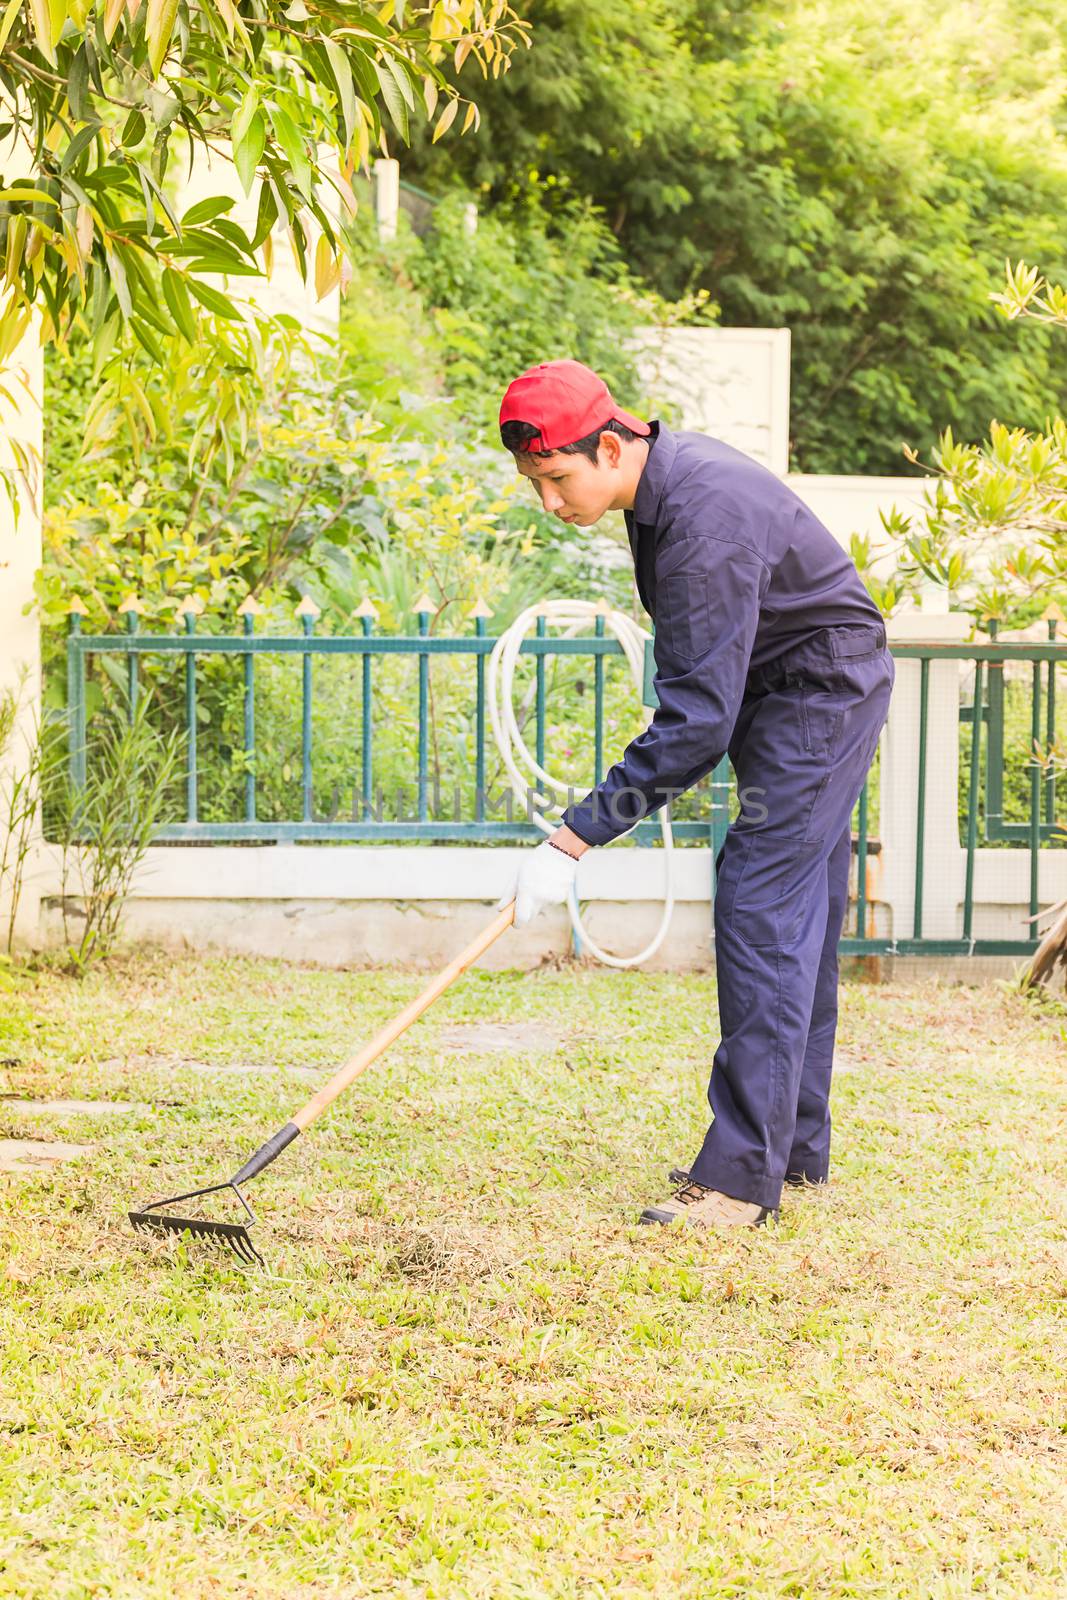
(768, 648)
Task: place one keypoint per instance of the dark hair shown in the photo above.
(514, 436)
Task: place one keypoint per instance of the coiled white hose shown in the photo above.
(524, 772)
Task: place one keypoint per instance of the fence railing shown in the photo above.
(369, 647)
(984, 806)
(985, 803)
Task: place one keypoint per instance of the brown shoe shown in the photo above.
(707, 1208)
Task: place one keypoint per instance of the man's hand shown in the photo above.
(545, 877)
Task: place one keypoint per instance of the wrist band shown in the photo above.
(568, 853)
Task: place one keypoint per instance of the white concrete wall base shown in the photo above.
(422, 934)
(957, 970)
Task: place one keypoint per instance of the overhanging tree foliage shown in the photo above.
(857, 174)
(99, 105)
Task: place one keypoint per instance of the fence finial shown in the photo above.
(1053, 613)
(250, 607)
(191, 606)
(424, 603)
(77, 607)
(366, 608)
(480, 609)
(308, 608)
(131, 603)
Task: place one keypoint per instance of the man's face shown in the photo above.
(572, 487)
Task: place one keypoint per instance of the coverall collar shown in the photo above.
(661, 452)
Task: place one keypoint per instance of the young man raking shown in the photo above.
(768, 648)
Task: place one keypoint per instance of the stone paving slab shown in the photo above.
(474, 1038)
(79, 1108)
(33, 1155)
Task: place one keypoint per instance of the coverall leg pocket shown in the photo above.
(774, 887)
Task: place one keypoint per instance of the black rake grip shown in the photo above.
(267, 1153)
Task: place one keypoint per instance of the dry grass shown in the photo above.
(467, 1374)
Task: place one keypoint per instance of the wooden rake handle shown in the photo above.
(373, 1048)
(403, 1020)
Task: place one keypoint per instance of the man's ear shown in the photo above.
(611, 445)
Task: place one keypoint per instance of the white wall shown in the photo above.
(730, 382)
(20, 543)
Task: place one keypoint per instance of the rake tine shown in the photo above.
(159, 1218)
(243, 1247)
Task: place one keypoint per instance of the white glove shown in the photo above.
(545, 878)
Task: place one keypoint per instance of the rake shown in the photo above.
(157, 1216)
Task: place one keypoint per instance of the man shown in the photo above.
(768, 648)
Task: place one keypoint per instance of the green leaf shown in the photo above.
(301, 247)
(231, 233)
(399, 73)
(148, 340)
(206, 247)
(178, 303)
(213, 261)
(212, 300)
(118, 282)
(159, 25)
(11, 11)
(161, 196)
(342, 74)
(41, 15)
(291, 141)
(149, 201)
(134, 129)
(266, 216)
(81, 106)
(248, 150)
(25, 192)
(366, 77)
(164, 107)
(105, 338)
(244, 114)
(206, 210)
(395, 103)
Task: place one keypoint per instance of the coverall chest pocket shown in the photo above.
(683, 618)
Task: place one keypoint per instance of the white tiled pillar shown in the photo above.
(20, 557)
(943, 855)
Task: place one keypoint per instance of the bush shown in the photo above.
(520, 290)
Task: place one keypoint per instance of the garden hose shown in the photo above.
(524, 772)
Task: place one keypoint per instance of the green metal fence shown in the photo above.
(370, 647)
(986, 712)
(986, 716)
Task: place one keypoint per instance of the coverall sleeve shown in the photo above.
(708, 599)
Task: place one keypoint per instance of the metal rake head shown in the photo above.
(233, 1235)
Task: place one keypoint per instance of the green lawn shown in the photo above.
(468, 1374)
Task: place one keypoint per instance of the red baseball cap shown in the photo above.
(565, 402)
